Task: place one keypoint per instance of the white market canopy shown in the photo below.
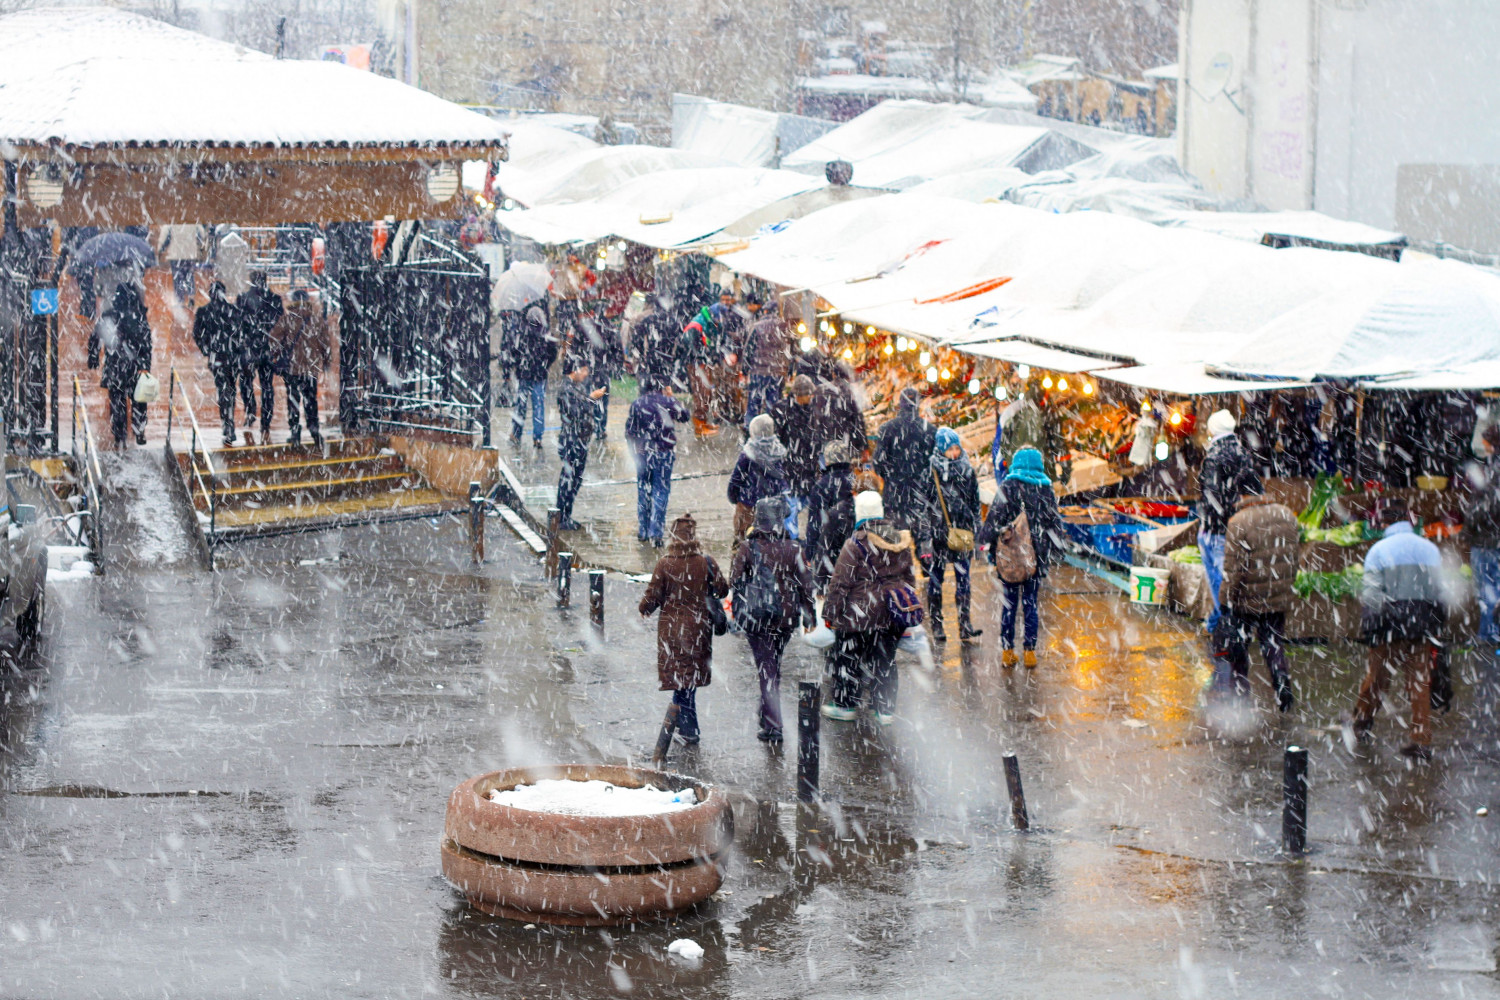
(89, 77)
(556, 177)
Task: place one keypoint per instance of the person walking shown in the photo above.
(902, 450)
(764, 360)
(218, 332)
(654, 342)
(652, 438)
(1026, 423)
(259, 310)
(124, 333)
(705, 349)
(1481, 510)
(1225, 476)
(1402, 615)
(299, 343)
(1261, 548)
(875, 559)
(772, 595)
(796, 429)
(578, 403)
(533, 352)
(1025, 489)
(830, 513)
(682, 584)
(950, 496)
(837, 414)
(759, 472)
(182, 246)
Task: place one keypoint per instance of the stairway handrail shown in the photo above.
(196, 446)
(93, 474)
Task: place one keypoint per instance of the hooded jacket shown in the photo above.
(1040, 504)
(830, 520)
(532, 346)
(1226, 476)
(259, 309)
(759, 472)
(299, 341)
(874, 559)
(649, 425)
(901, 451)
(795, 430)
(125, 334)
(768, 348)
(218, 331)
(680, 586)
(1402, 595)
(960, 487)
(837, 417)
(1260, 558)
(784, 557)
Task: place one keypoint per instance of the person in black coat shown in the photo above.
(830, 513)
(902, 450)
(125, 335)
(578, 402)
(796, 429)
(259, 310)
(769, 568)
(950, 485)
(218, 332)
(1024, 488)
(654, 342)
(533, 349)
(1227, 474)
(759, 472)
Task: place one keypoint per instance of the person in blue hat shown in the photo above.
(1025, 489)
(950, 500)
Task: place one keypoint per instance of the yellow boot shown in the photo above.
(1008, 658)
(1031, 659)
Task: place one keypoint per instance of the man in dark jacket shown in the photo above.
(830, 513)
(901, 451)
(301, 350)
(652, 437)
(125, 334)
(1401, 617)
(1226, 475)
(1260, 566)
(793, 416)
(259, 309)
(578, 403)
(765, 358)
(950, 499)
(217, 330)
(836, 415)
(1482, 528)
(773, 594)
(532, 352)
(654, 342)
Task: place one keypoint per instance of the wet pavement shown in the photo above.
(235, 783)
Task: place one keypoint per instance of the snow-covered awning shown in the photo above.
(1024, 352)
(1188, 378)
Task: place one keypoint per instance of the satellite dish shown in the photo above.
(1216, 77)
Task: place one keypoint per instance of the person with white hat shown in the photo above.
(1226, 475)
(872, 590)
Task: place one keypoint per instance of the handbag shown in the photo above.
(716, 616)
(958, 540)
(901, 601)
(147, 388)
(1015, 559)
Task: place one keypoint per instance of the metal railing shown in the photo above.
(86, 461)
(197, 448)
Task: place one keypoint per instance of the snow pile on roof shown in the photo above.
(748, 137)
(95, 76)
(899, 144)
(593, 798)
(591, 173)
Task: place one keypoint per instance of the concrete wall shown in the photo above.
(1327, 99)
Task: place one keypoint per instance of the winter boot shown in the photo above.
(1008, 658)
(1030, 659)
(966, 630)
(935, 615)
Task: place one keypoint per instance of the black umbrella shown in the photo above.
(113, 249)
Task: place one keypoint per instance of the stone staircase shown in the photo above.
(279, 489)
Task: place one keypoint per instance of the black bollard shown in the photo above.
(554, 526)
(476, 522)
(1294, 792)
(596, 597)
(809, 695)
(1018, 816)
(664, 739)
(564, 579)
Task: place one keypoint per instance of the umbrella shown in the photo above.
(520, 285)
(112, 250)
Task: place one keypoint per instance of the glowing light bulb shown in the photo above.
(848, 354)
(1161, 451)
(1088, 388)
(808, 344)
(1023, 372)
(1047, 382)
(823, 325)
(890, 349)
(848, 328)
(801, 327)
(932, 375)
(924, 359)
(620, 246)
(973, 387)
(946, 375)
(869, 331)
(1062, 385)
(1175, 420)
(900, 343)
(1000, 391)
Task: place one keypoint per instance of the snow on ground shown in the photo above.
(137, 477)
(593, 798)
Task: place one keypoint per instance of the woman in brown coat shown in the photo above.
(680, 587)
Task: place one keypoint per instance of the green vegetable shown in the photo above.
(1334, 586)
(1345, 534)
(1325, 488)
(1188, 555)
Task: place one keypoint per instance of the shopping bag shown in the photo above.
(822, 636)
(147, 388)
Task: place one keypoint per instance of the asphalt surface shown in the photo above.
(234, 784)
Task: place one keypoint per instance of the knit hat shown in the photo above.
(867, 506)
(762, 426)
(1027, 466)
(947, 438)
(802, 386)
(839, 453)
(1220, 422)
(770, 515)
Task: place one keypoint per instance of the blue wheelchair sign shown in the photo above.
(44, 301)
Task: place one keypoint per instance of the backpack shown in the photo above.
(1015, 559)
(757, 602)
(901, 602)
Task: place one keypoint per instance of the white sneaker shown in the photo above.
(885, 719)
(832, 711)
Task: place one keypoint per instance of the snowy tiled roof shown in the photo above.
(94, 76)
